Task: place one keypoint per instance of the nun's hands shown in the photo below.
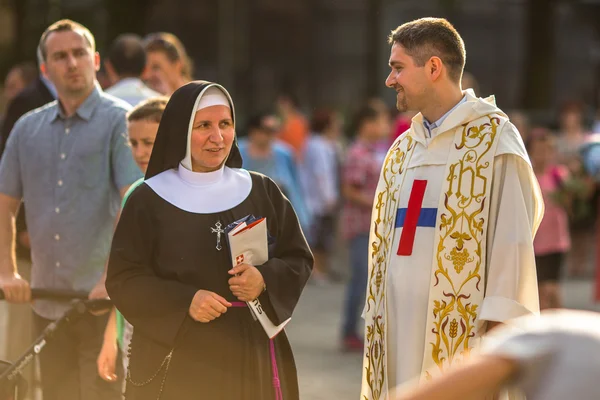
(247, 282)
(207, 306)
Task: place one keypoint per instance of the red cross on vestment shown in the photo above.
(415, 202)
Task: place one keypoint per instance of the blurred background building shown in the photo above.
(540, 58)
(532, 54)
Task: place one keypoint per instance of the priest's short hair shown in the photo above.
(428, 37)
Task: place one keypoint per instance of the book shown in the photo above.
(249, 244)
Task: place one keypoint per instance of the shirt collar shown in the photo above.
(429, 126)
(86, 109)
(127, 82)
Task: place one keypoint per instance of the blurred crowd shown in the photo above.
(328, 164)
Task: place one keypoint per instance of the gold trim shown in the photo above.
(384, 214)
(457, 289)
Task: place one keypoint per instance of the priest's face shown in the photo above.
(212, 137)
(408, 79)
(142, 134)
(71, 63)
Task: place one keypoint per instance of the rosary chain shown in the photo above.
(166, 362)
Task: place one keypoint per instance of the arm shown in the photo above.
(328, 182)
(459, 384)
(516, 210)
(9, 206)
(286, 273)
(107, 358)
(353, 179)
(354, 195)
(155, 306)
(15, 288)
(295, 190)
(125, 172)
(322, 171)
(99, 291)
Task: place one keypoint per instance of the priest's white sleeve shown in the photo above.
(516, 210)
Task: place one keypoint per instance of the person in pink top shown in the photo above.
(552, 241)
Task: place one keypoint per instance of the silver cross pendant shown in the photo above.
(218, 230)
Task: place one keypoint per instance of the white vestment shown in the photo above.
(399, 326)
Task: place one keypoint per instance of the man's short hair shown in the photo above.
(149, 110)
(65, 25)
(127, 55)
(428, 37)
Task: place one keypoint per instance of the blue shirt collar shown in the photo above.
(86, 109)
(429, 126)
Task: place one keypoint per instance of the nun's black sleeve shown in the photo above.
(155, 306)
(290, 266)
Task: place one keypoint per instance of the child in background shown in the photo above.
(142, 127)
(552, 240)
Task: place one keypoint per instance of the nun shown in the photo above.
(170, 271)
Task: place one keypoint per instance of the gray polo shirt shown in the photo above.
(69, 171)
(558, 354)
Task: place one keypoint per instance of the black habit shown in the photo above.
(162, 255)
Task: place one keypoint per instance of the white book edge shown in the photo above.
(237, 228)
(270, 328)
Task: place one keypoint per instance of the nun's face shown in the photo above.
(212, 138)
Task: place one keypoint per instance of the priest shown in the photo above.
(170, 270)
(456, 210)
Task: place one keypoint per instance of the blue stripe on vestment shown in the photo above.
(427, 218)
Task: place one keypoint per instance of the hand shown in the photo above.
(99, 292)
(207, 306)
(23, 238)
(248, 282)
(15, 288)
(107, 361)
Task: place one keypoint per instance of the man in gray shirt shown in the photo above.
(70, 163)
